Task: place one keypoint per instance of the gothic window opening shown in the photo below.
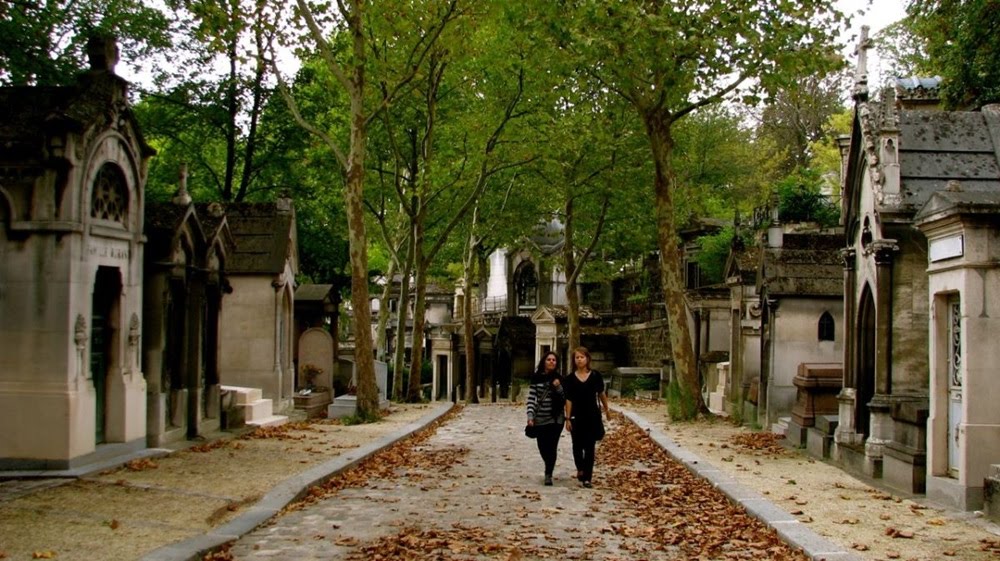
(955, 343)
(826, 327)
(109, 196)
(526, 285)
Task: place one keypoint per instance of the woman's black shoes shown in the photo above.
(548, 480)
(587, 484)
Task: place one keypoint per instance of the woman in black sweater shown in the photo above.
(585, 399)
(545, 410)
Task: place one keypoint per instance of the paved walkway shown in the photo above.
(491, 487)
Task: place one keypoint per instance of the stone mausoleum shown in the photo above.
(72, 171)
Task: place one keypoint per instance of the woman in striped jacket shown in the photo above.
(545, 409)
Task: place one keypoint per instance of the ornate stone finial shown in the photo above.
(80, 332)
(216, 210)
(102, 51)
(284, 203)
(133, 330)
(861, 70)
(181, 197)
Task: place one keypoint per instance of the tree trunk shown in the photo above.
(367, 390)
(419, 320)
(364, 361)
(470, 343)
(685, 366)
(481, 283)
(468, 268)
(572, 298)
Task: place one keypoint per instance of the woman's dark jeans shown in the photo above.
(548, 444)
(583, 456)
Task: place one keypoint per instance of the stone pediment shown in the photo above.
(948, 203)
(166, 226)
(544, 314)
(52, 137)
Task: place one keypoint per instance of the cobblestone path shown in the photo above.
(480, 498)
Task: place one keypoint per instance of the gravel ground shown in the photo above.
(128, 512)
(873, 522)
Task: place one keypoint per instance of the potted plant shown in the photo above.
(311, 372)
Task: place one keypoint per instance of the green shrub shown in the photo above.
(800, 199)
(642, 383)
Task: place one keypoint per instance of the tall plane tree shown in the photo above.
(348, 68)
(666, 61)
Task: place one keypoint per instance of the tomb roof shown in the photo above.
(264, 234)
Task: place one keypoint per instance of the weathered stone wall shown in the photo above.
(648, 343)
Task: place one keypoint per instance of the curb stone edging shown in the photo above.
(286, 491)
(789, 528)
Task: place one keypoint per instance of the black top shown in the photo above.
(586, 411)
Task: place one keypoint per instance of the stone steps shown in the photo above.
(247, 406)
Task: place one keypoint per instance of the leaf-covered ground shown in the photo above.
(874, 523)
(472, 491)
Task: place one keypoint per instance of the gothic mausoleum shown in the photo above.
(72, 172)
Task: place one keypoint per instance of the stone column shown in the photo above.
(846, 433)
(278, 285)
(194, 379)
(883, 252)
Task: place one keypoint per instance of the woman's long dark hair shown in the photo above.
(540, 374)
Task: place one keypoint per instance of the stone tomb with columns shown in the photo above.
(72, 177)
(184, 286)
(963, 432)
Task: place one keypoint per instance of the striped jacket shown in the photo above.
(546, 408)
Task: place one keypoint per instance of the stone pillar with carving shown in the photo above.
(883, 252)
(846, 432)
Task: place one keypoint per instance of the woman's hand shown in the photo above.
(531, 422)
(555, 383)
(569, 425)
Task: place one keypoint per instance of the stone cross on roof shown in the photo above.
(861, 70)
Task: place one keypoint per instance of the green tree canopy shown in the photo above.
(44, 43)
(963, 45)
